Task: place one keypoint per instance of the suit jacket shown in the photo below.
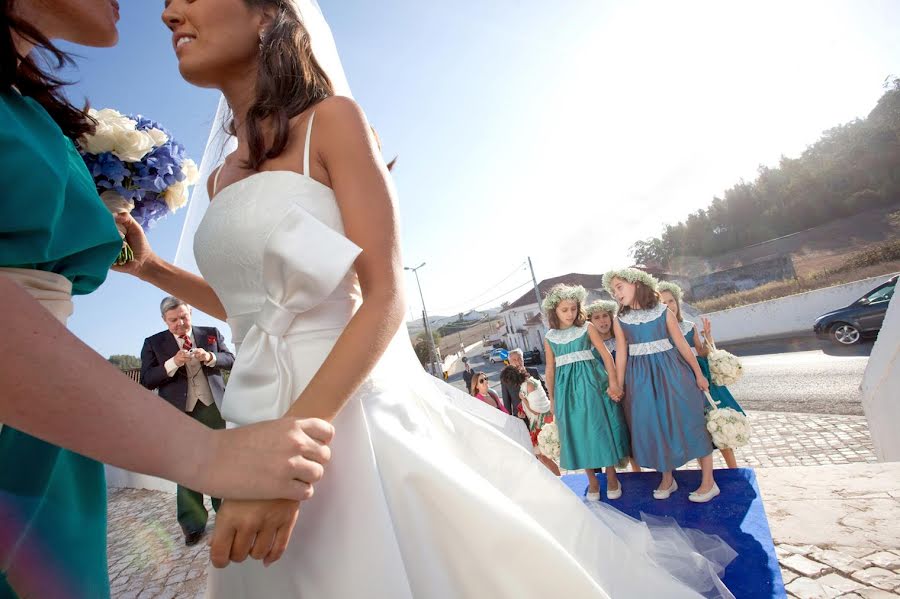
(162, 346)
(511, 395)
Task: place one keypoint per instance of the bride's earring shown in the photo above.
(262, 38)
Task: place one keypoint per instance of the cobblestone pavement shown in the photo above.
(147, 556)
(812, 572)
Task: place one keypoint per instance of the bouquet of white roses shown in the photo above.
(548, 441)
(727, 427)
(137, 168)
(724, 367)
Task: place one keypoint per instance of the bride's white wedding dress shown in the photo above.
(428, 495)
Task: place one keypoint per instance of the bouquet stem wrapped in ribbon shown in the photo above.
(138, 169)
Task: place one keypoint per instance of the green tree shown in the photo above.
(125, 362)
(853, 167)
(421, 346)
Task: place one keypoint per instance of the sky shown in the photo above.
(562, 130)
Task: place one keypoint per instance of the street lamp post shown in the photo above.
(431, 349)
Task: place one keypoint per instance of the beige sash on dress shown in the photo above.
(53, 291)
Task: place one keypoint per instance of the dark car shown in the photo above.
(532, 358)
(861, 318)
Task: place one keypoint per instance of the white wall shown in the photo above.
(881, 387)
(786, 315)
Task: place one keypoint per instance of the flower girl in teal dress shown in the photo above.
(601, 314)
(663, 384)
(584, 399)
(671, 295)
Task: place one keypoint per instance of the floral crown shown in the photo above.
(601, 306)
(672, 288)
(632, 275)
(562, 292)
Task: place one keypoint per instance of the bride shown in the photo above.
(427, 495)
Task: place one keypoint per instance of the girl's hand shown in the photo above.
(614, 392)
(702, 382)
(707, 328)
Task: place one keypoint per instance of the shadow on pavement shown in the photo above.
(797, 344)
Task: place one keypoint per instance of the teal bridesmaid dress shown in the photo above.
(592, 428)
(52, 501)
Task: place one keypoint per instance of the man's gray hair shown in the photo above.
(517, 351)
(170, 303)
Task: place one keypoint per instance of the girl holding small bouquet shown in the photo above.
(671, 295)
(534, 408)
(585, 400)
(663, 383)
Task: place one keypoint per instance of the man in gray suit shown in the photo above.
(185, 363)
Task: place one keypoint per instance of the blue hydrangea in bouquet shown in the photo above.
(138, 168)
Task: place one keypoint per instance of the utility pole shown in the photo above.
(537, 297)
(431, 349)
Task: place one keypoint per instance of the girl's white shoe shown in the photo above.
(665, 493)
(593, 496)
(704, 497)
(616, 493)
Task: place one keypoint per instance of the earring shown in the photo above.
(262, 39)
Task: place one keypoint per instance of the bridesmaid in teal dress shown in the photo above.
(671, 295)
(592, 429)
(57, 240)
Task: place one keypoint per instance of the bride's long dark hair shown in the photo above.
(289, 81)
(24, 73)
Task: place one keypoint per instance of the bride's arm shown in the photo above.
(368, 208)
(176, 281)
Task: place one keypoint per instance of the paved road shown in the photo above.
(822, 381)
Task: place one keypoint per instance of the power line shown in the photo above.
(488, 289)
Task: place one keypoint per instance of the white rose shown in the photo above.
(158, 136)
(113, 119)
(132, 146)
(176, 196)
(712, 426)
(191, 173)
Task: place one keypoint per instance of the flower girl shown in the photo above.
(671, 295)
(592, 429)
(664, 400)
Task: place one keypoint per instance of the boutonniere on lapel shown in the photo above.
(211, 340)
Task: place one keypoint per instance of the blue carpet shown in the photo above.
(737, 516)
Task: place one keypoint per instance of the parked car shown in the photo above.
(499, 355)
(862, 318)
(532, 357)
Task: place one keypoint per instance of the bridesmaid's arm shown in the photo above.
(699, 345)
(175, 281)
(615, 390)
(621, 353)
(58, 389)
(684, 349)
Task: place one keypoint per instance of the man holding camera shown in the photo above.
(185, 364)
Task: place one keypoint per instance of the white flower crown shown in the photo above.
(562, 292)
(602, 306)
(632, 275)
(672, 288)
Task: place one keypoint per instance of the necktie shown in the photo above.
(186, 345)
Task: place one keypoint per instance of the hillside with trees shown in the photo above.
(852, 168)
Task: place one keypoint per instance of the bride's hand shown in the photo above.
(260, 529)
(134, 235)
